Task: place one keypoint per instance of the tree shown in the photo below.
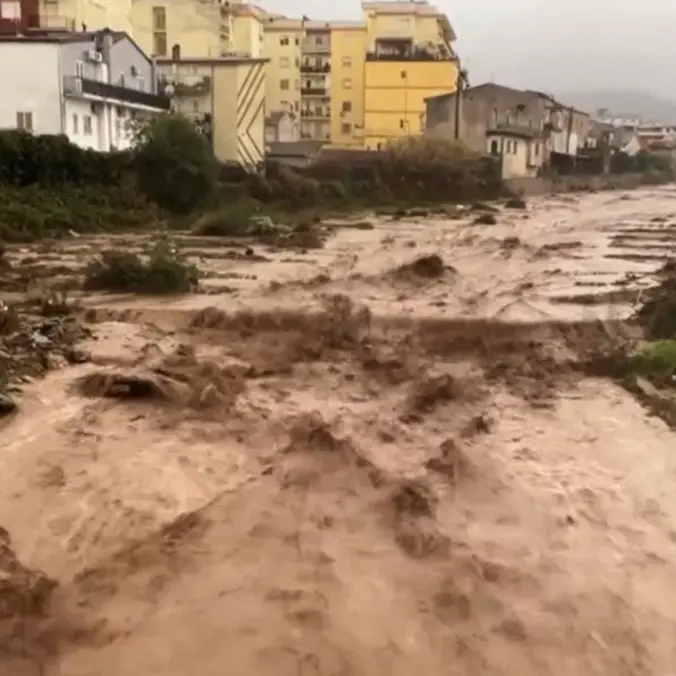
(176, 167)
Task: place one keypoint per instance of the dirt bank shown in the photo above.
(359, 460)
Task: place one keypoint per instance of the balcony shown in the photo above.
(79, 86)
(310, 46)
(309, 114)
(192, 87)
(406, 50)
(314, 91)
(315, 68)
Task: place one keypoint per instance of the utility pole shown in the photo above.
(460, 84)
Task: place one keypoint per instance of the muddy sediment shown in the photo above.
(422, 463)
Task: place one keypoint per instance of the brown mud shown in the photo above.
(419, 464)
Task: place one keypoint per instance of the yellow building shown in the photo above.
(282, 41)
(348, 50)
(85, 14)
(409, 58)
(197, 29)
(226, 95)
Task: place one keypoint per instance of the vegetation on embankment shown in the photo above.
(49, 187)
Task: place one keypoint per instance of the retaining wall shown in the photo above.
(531, 187)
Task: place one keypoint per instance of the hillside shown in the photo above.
(630, 103)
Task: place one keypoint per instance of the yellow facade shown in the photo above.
(198, 29)
(395, 93)
(409, 57)
(229, 94)
(282, 46)
(348, 50)
(419, 21)
(93, 14)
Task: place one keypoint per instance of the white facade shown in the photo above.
(43, 93)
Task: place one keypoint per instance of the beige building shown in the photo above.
(226, 96)
(282, 39)
(521, 152)
(197, 29)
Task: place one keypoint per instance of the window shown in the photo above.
(285, 62)
(347, 83)
(346, 107)
(160, 44)
(195, 106)
(160, 19)
(494, 147)
(347, 62)
(402, 124)
(318, 111)
(141, 84)
(79, 69)
(297, 41)
(284, 85)
(10, 9)
(284, 40)
(87, 125)
(345, 128)
(318, 40)
(76, 123)
(508, 118)
(24, 121)
(536, 148)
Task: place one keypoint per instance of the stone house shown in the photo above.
(491, 106)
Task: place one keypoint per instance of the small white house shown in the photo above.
(88, 86)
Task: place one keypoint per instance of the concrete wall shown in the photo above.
(532, 187)
(31, 82)
(239, 112)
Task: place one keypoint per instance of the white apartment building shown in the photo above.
(88, 86)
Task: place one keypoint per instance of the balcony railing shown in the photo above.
(314, 91)
(314, 68)
(310, 46)
(78, 86)
(415, 55)
(315, 115)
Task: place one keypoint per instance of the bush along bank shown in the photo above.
(50, 187)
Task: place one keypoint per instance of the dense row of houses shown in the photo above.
(261, 84)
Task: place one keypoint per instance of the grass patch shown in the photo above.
(165, 270)
(655, 361)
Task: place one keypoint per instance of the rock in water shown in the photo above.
(7, 405)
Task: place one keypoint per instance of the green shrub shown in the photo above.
(166, 270)
(656, 360)
(175, 166)
(36, 212)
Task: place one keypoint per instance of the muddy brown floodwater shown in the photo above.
(345, 462)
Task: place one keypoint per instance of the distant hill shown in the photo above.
(631, 103)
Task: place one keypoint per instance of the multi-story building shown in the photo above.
(198, 28)
(88, 86)
(409, 58)
(282, 40)
(315, 87)
(226, 97)
(348, 48)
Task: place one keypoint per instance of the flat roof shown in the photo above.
(210, 60)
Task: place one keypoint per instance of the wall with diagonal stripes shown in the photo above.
(239, 112)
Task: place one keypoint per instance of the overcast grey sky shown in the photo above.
(548, 44)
